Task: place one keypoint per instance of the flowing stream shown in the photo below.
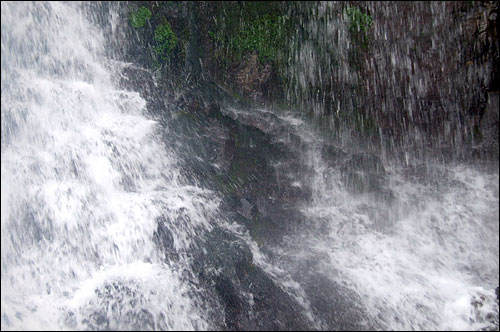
(423, 257)
(84, 179)
(100, 228)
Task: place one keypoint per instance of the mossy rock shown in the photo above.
(139, 18)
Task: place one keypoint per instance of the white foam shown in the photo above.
(84, 179)
(417, 269)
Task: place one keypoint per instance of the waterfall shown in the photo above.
(135, 200)
(418, 252)
(413, 79)
(85, 179)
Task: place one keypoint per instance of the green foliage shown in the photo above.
(264, 35)
(243, 29)
(252, 26)
(138, 19)
(165, 41)
(358, 21)
(359, 24)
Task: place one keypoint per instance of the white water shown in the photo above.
(84, 176)
(418, 262)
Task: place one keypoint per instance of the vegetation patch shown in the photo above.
(359, 25)
(139, 18)
(251, 37)
(257, 27)
(264, 35)
(165, 41)
(358, 21)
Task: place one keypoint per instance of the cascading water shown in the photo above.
(107, 222)
(418, 261)
(84, 180)
(417, 240)
(419, 71)
(420, 254)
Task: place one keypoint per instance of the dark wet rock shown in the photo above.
(245, 208)
(163, 238)
(120, 308)
(488, 129)
(253, 77)
(272, 309)
(250, 299)
(334, 304)
(232, 302)
(333, 155)
(134, 78)
(238, 156)
(194, 47)
(368, 162)
(363, 172)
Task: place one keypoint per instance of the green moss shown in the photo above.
(358, 21)
(260, 27)
(264, 35)
(165, 41)
(138, 18)
(359, 25)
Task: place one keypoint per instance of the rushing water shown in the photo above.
(424, 257)
(88, 181)
(84, 179)
(418, 70)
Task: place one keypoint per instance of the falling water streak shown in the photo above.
(436, 244)
(84, 180)
(421, 260)
(425, 88)
(428, 259)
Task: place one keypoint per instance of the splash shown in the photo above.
(85, 179)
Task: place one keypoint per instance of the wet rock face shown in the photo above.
(430, 84)
(240, 158)
(367, 162)
(138, 79)
(252, 170)
(333, 155)
(252, 77)
(127, 311)
(423, 91)
(250, 300)
(488, 128)
(360, 172)
(239, 162)
(364, 172)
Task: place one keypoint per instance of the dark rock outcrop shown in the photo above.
(363, 172)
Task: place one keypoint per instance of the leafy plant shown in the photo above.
(359, 24)
(358, 21)
(165, 40)
(262, 27)
(138, 19)
(264, 35)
